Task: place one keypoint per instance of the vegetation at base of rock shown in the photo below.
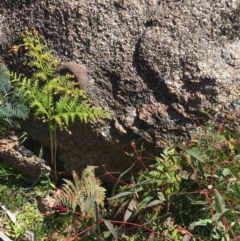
(79, 192)
(191, 189)
(11, 102)
(18, 195)
(53, 99)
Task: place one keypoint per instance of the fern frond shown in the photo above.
(91, 185)
(85, 111)
(12, 103)
(54, 99)
(70, 195)
(70, 109)
(6, 123)
(46, 97)
(56, 85)
(14, 110)
(77, 193)
(20, 110)
(39, 108)
(16, 79)
(5, 85)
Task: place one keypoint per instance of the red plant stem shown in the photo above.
(114, 178)
(139, 158)
(122, 223)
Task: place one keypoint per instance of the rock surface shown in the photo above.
(152, 64)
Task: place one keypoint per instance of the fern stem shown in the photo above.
(53, 146)
(90, 229)
(55, 149)
(51, 143)
(52, 131)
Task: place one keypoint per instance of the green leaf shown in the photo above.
(226, 212)
(14, 109)
(90, 202)
(121, 175)
(111, 229)
(200, 203)
(237, 187)
(96, 218)
(121, 208)
(143, 203)
(144, 182)
(5, 85)
(154, 203)
(129, 210)
(122, 194)
(202, 222)
(219, 200)
(216, 217)
(203, 111)
(191, 152)
(233, 170)
(95, 212)
(194, 154)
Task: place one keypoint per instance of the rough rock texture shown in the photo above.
(153, 65)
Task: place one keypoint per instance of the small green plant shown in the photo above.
(21, 204)
(81, 190)
(145, 201)
(14, 230)
(191, 191)
(82, 201)
(28, 220)
(55, 100)
(210, 170)
(11, 102)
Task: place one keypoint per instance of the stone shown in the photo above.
(153, 65)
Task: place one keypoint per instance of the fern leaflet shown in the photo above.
(77, 193)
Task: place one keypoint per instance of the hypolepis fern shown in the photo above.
(77, 193)
(54, 99)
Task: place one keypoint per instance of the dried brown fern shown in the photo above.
(81, 190)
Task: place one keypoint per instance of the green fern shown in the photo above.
(5, 85)
(11, 102)
(6, 123)
(78, 193)
(56, 100)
